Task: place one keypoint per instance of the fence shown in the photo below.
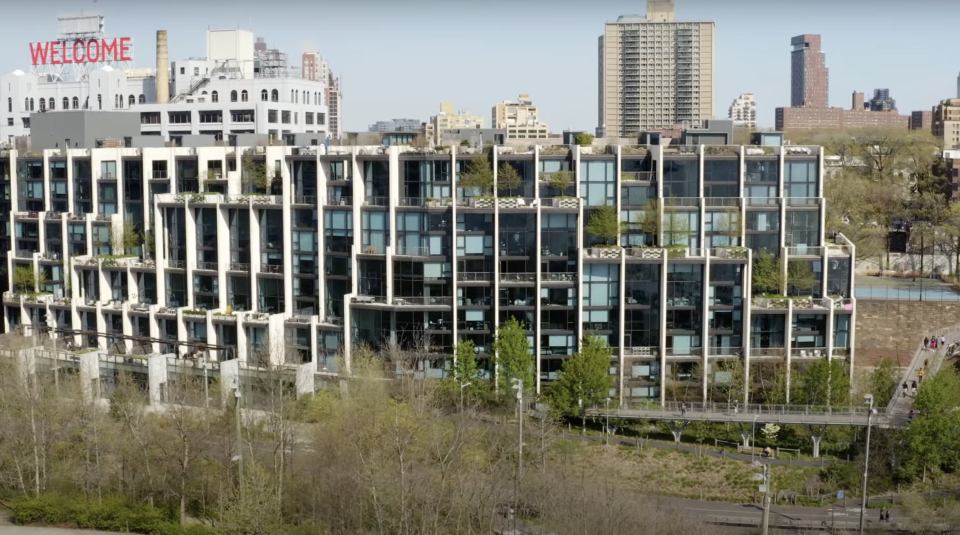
(935, 293)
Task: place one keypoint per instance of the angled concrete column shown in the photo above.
(229, 380)
(90, 375)
(306, 380)
(157, 378)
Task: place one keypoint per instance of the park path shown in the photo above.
(7, 527)
(900, 406)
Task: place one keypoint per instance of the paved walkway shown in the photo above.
(900, 406)
(761, 414)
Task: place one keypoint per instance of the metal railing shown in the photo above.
(757, 409)
(211, 266)
(465, 276)
(558, 277)
(422, 300)
(375, 200)
(639, 176)
(689, 202)
(381, 299)
(518, 277)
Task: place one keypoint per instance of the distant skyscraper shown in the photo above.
(881, 101)
(654, 73)
(313, 67)
(809, 83)
(743, 111)
(958, 86)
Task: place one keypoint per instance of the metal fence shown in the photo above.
(933, 293)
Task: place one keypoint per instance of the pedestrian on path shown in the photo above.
(683, 409)
(926, 342)
(904, 389)
(943, 340)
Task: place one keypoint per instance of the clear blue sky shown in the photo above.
(400, 58)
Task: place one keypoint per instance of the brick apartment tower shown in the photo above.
(809, 83)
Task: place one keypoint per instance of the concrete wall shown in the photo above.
(83, 128)
(893, 329)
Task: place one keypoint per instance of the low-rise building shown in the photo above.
(450, 119)
(743, 111)
(519, 118)
(946, 122)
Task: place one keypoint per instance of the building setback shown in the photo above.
(654, 73)
(291, 255)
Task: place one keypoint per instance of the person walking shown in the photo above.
(683, 409)
(926, 342)
(943, 343)
(904, 389)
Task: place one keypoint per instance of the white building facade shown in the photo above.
(743, 111)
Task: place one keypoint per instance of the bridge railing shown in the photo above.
(676, 407)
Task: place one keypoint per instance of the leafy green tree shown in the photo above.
(823, 382)
(883, 382)
(933, 438)
(466, 369)
(478, 174)
(800, 278)
(585, 376)
(560, 181)
(513, 354)
(583, 138)
(604, 224)
(508, 179)
(767, 277)
(255, 172)
(24, 279)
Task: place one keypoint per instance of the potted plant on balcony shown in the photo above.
(478, 175)
(559, 182)
(508, 179)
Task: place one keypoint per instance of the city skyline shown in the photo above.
(752, 50)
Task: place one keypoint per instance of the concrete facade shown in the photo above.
(945, 122)
(519, 118)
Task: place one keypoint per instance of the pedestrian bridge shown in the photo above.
(751, 413)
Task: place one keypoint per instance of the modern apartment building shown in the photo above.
(743, 111)
(654, 73)
(284, 255)
(520, 119)
(809, 76)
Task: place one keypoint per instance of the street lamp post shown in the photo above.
(606, 424)
(583, 417)
(764, 478)
(518, 386)
(753, 436)
(866, 459)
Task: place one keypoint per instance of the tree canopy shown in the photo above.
(604, 224)
(513, 354)
(585, 376)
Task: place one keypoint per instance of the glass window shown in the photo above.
(801, 180)
(598, 182)
(681, 178)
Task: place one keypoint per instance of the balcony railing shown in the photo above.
(239, 266)
(516, 202)
(305, 199)
(518, 277)
(805, 251)
(342, 201)
(686, 202)
(637, 176)
(271, 268)
(602, 252)
(210, 266)
(809, 352)
(177, 264)
(422, 301)
(641, 351)
(413, 250)
(381, 299)
(467, 276)
(722, 202)
(476, 202)
(645, 253)
(561, 202)
(558, 277)
(375, 201)
(762, 201)
(803, 201)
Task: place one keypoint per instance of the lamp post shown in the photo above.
(753, 437)
(606, 424)
(866, 459)
(518, 387)
(239, 455)
(462, 386)
(583, 418)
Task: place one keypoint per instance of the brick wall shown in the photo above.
(892, 329)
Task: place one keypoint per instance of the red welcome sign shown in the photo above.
(99, 50)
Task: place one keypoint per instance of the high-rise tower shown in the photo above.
(809, 77)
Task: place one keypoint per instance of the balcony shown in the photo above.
(475, 276)
(570, 203)
(682, 202)
(644, 253)
(810, 251)
(239, 266)
(722, 202)
(565, 277)
(209, 266)
(422, 301)
(641, 351)
(274, 269)
(305, 199)
(516, 203)
(476, 202)
(378, 201)
(608, 253)
(342, 201)
(518, 278)
(803, 202)
(637, 176)
(809, 352)
(369, 299)
(176, 264)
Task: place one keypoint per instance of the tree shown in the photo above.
(604, 224)
(466, 370)
(800, 278)
(585, 376)
(933, 438)
(255, 172)
(513, 354)
(883, 382)
(767, 277)
(559, 181)
(478, 174)
(823, 382)
(508, 179)
(25, 280)
(130, 238)
(583, 138)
